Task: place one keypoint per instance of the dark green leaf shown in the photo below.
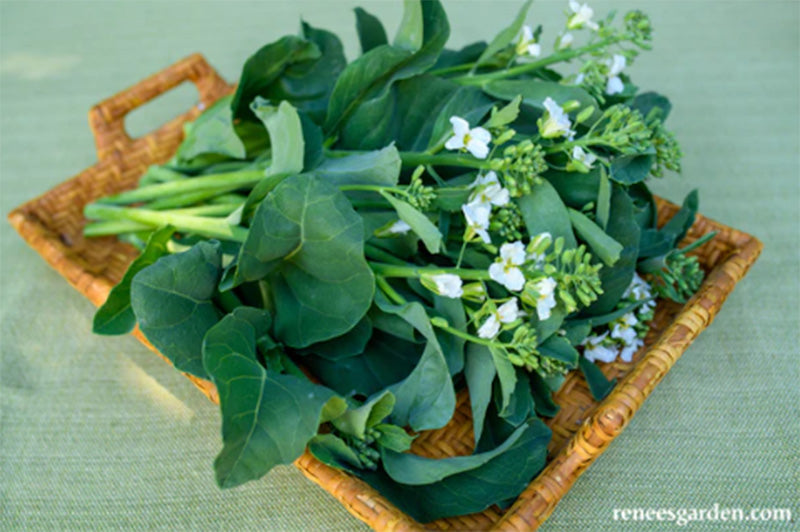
(266, 66)
(521, 405)
(378, 167)
(393, 438)
(503, 477)
(559, 348)
(534, 92)
(631, 169)
(479, 372)
(172, 302)
(306, 235)
(116, 316)
(285, 133)
(468, 54)
(506, 376)
(333, 451)
(542, 396)
(575, 189)
(647, 101)
(267, 418)
(679, 225)
(452, 310)
(599, 385)
(367, 80)
(355, 421)
(409, 34)
(350, 344)
(543, 211)
(370, 31)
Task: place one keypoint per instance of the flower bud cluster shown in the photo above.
(521, 166)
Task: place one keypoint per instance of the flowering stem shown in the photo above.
(564, 55)
(411, 158)
(391, 270)
(443, 325)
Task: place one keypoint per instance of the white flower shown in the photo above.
(564, 41)
(614, 84)
(557, 122)
(477, 217)
(399, 228)
(579, 78)
(505, 270)
(587, 158)
(489, 191)
(581, 16)
(595, 350)
(628, 351)
(448, 285)
(639, 290)
(508, 312)
(475, 140)
(623, 329)
(527, 45)
(546, 288)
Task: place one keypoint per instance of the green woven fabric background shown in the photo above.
(98, 433)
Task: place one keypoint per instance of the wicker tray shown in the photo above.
(52, 224)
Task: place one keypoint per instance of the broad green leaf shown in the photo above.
(505, 37)
(410, 33)
(426, 398)
(575, 189)
(267, 418)
(308, 84)
(370, 31)
(546, 328)
(631, 169)
(350, 344)
(622, 227)
(171, 299)
(415, 470)
(367, 80)
(307, 238)
(543, 211)
(603, 202)
(479, 372)
(116, 316)
(385, 361)
(285, 133)
(506, 376)
(266, 66)
(420, 224)
(559, 348)
(599, 385)
(356, 421)
(679, 224)
(394, 325)
(605, 247)
(419, 100)
(501, 478)
(377, 167)
(534, 92)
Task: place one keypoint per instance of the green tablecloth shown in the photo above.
(99, 433)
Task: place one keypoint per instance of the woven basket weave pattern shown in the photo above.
(53, 224)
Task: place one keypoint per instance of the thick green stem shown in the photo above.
(390, 292)
(219, 183)
(114, 227)
(439, 324)
(376, 253)
(411, 158)
(209, 227)
(392, 270)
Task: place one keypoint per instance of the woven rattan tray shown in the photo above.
(52, 224)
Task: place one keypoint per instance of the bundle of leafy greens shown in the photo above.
(415, 222)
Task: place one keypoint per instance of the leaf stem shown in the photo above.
(390, 292)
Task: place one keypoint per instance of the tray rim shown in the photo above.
(539, 499)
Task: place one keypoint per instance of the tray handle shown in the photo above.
(107, 118)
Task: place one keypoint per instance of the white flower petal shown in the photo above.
(399, 228)
(477, 214)
(527, 33)
(535, 50)
(499, 196)
(490, 328)
(480, 134)
(484, 234)
(574, 6)
(514, 280)
(565, 41)
(544, 305)
(454, 143)
(508, 312)
(460, 126)
(497, 272)
(629, 350)
(600, 353)
(448, 285)
(477, 148)
(614, 86)
(513, 252)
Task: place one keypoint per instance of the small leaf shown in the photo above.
(333, 451)
(534, 92)
(116, 316)
(506, 375)
(631, 169)
(420, 224)
(370, 31)
(409, 34)
(648, 101)
(285, 133)
(356, 421)
(599, 385)
(505, 115)
(479, 372)
(505, 37)
(602, 245)
(377, 167)
(559, 348)
(393, 438)
(542, 396)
